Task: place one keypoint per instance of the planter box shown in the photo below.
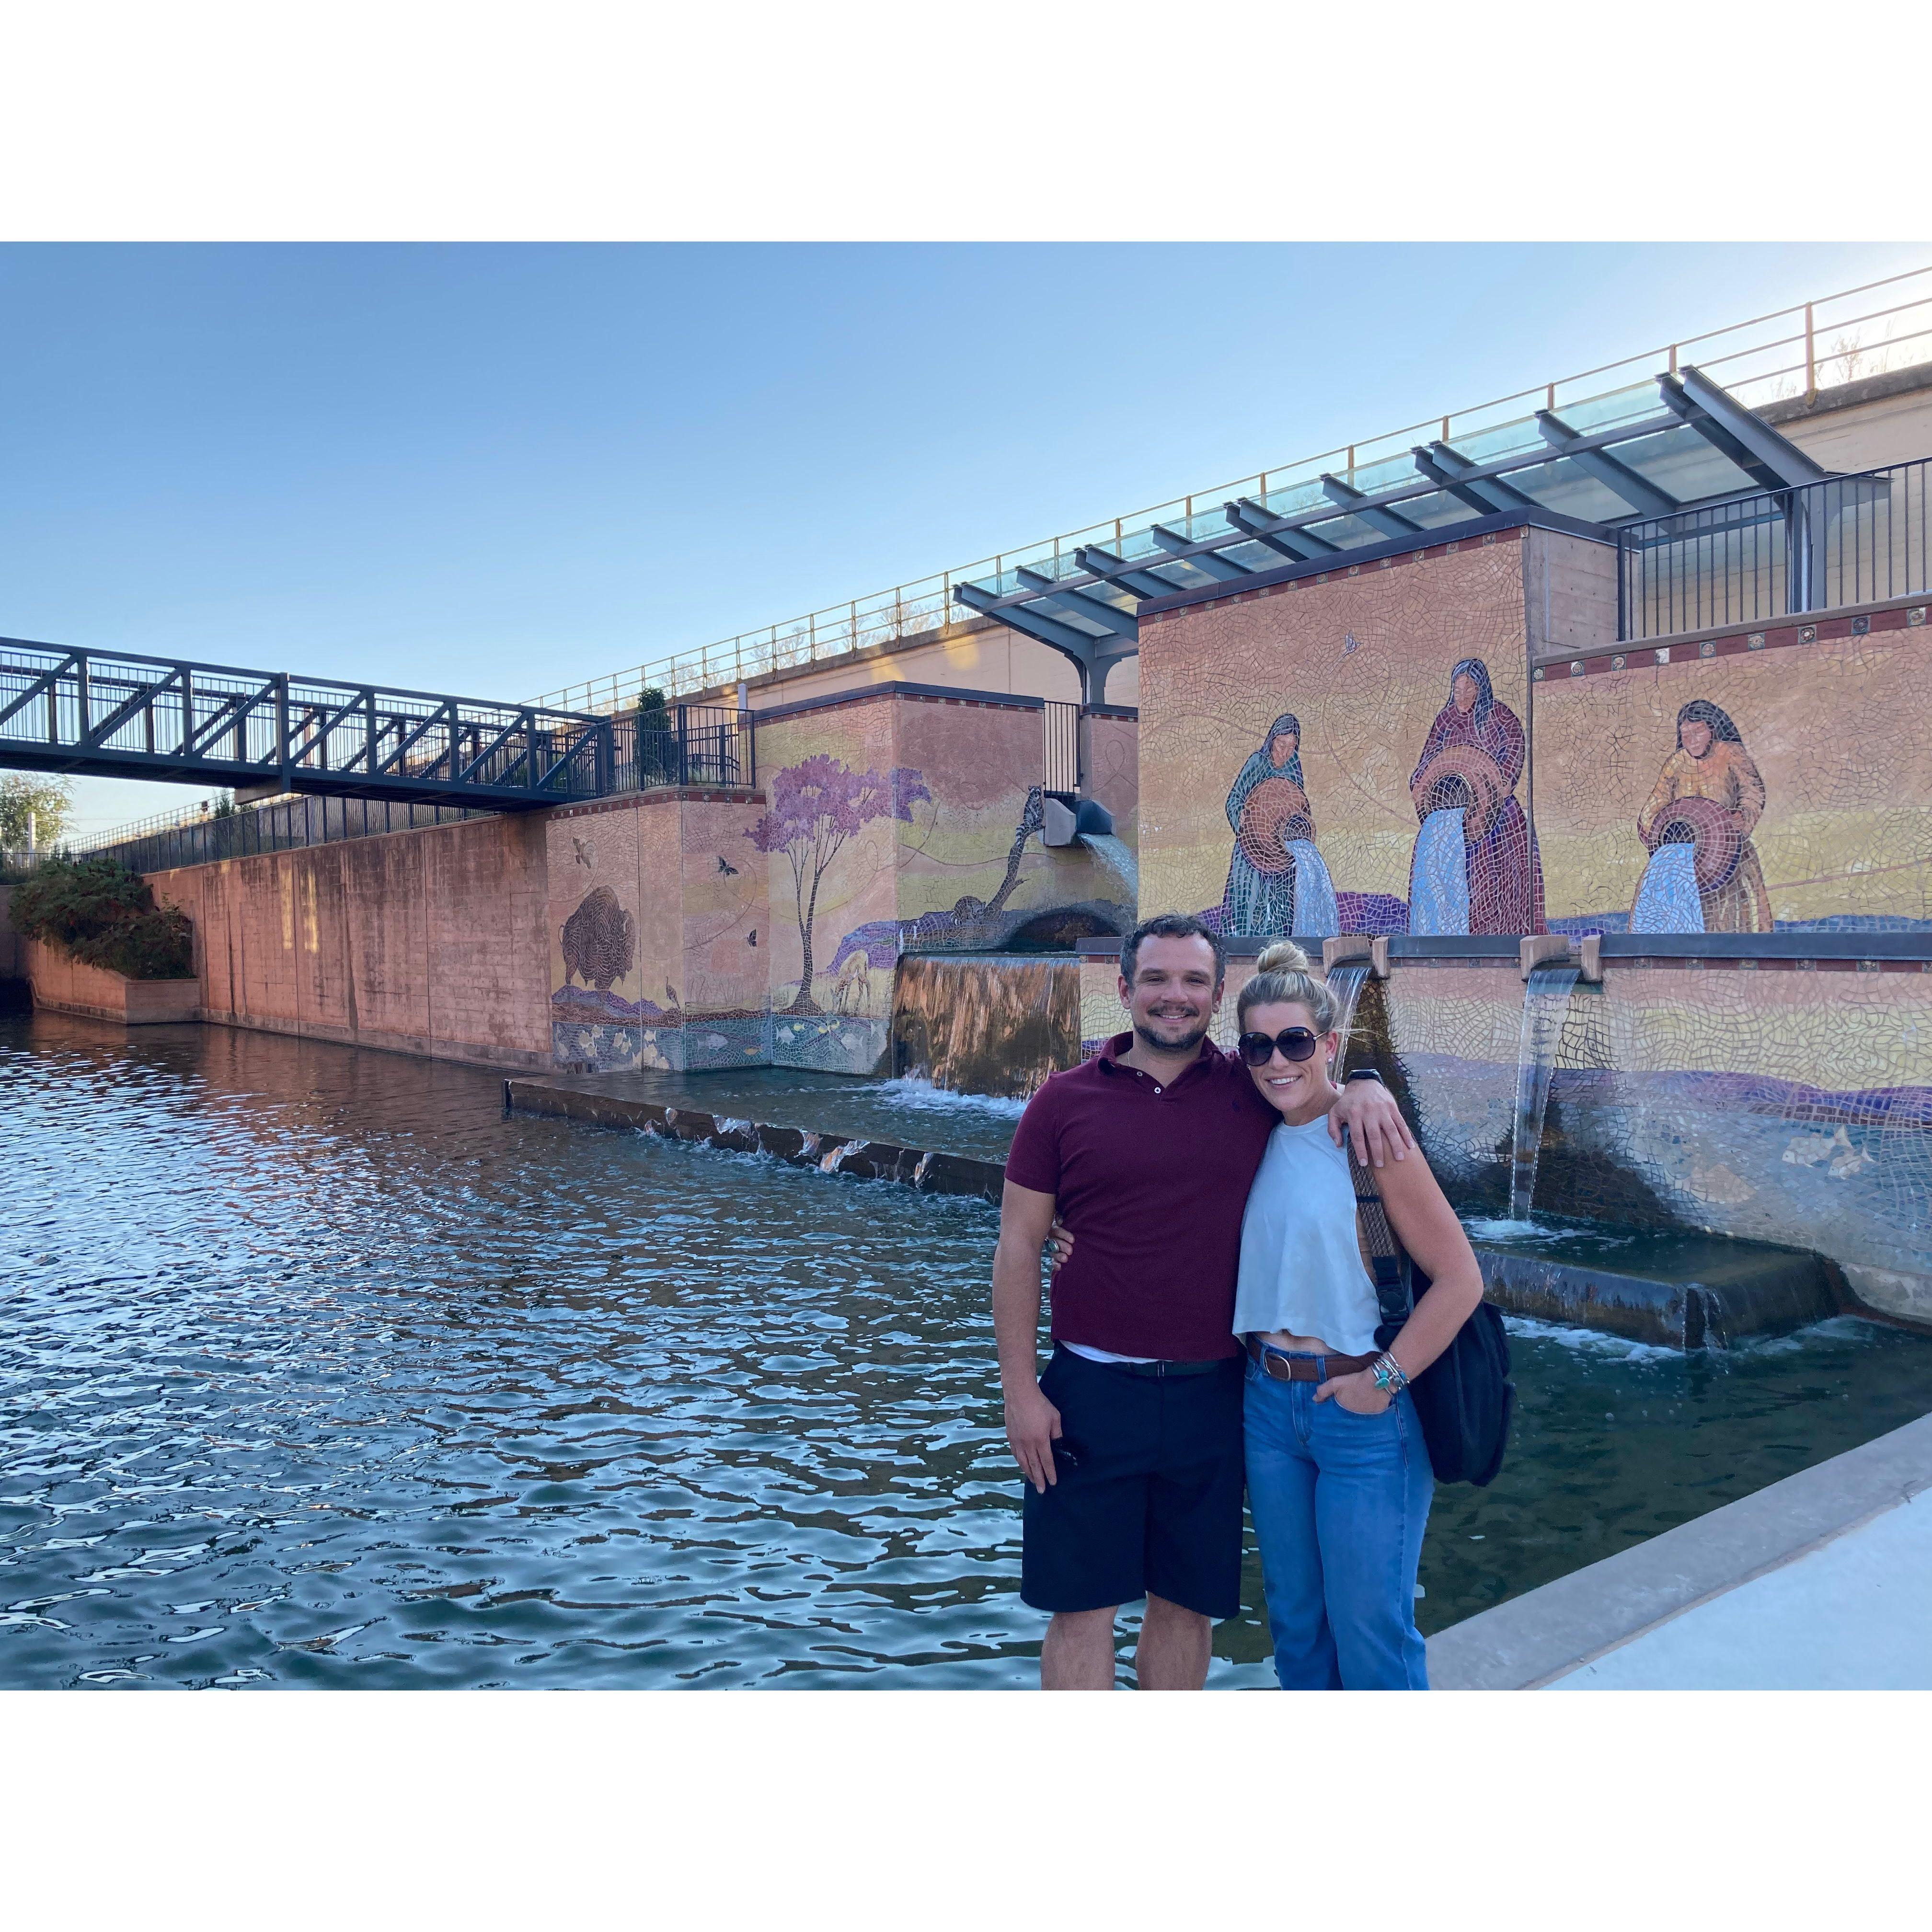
(64, 986)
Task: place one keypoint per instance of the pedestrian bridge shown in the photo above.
(101, 714)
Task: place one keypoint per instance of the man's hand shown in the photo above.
(1368, 1110)
(1032, 1427)
(1059, 1246)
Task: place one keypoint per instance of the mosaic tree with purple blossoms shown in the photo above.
(816, 806)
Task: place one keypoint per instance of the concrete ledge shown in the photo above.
(1533, 1639)
(929, 1172)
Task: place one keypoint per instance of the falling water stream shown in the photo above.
(1346, 981)
(1545, 1001)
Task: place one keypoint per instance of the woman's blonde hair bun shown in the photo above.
(1283, 956)
(1283, 976)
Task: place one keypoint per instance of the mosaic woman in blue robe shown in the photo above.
(1254, 903)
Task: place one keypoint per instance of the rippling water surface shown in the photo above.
(314, 1369)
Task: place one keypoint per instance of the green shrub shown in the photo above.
(104, 915)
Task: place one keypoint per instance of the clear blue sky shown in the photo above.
(496, 470)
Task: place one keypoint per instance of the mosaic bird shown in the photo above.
(751, 937)
(585, 851)
(671, 994)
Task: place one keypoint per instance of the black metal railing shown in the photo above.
(285, 825)
(108, 714)
(1061, 769)
(683, 744)
(1816, 547)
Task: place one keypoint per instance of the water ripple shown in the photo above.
(315, 1369)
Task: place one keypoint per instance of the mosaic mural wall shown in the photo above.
(901, 824)
(656, 911)
(1345, 753)
(1773, 781)
(1786, 1104)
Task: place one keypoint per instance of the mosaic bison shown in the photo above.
(599, 940)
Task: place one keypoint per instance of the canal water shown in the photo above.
(315, 1369)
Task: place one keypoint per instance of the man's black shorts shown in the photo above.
(1154, 1502)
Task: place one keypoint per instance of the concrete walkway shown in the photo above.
(1821, 1582)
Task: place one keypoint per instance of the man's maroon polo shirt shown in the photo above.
(1153, 1181)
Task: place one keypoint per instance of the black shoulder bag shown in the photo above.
(1465, 1398)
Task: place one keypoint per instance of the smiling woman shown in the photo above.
(1338, 1474)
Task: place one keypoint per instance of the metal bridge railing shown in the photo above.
(694, 745)
(111, 714)
(285, 826)
(684, 745)
(1816, 547)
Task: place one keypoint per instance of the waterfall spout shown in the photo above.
(1114, 859)
(1346, 982)
(1546, 1002)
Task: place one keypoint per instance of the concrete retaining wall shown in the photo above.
(431, 941)
(63, 985)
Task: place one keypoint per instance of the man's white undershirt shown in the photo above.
(1105, 1355)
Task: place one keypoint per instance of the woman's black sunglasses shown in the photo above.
(1295, 1042)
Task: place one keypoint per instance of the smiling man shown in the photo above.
(1131, 1441)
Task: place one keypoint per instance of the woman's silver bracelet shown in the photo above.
(1389, 1374)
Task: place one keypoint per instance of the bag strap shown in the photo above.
(1388, 1261)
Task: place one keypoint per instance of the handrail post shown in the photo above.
(284, 768)
(683, 746)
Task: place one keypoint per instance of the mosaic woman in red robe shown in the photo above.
(1484, 740)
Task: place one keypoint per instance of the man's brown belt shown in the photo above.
(1305, 1368)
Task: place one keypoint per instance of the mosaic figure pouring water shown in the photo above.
(1703, 875)
(1277, 882)
(1476, 868)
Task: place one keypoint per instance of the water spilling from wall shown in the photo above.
(1346, 982)
(1546, 1003)
(1115, 861)
(995, 1023)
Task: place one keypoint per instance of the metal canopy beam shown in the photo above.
(1446, 468)
(1256, 520)
(1112, 569)
(1048, 630)
(1620, 478)
(1390, 523)
(1724, 423)
(1077, 604)
(1211, 562)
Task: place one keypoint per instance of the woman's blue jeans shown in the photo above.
(1340, 1502)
